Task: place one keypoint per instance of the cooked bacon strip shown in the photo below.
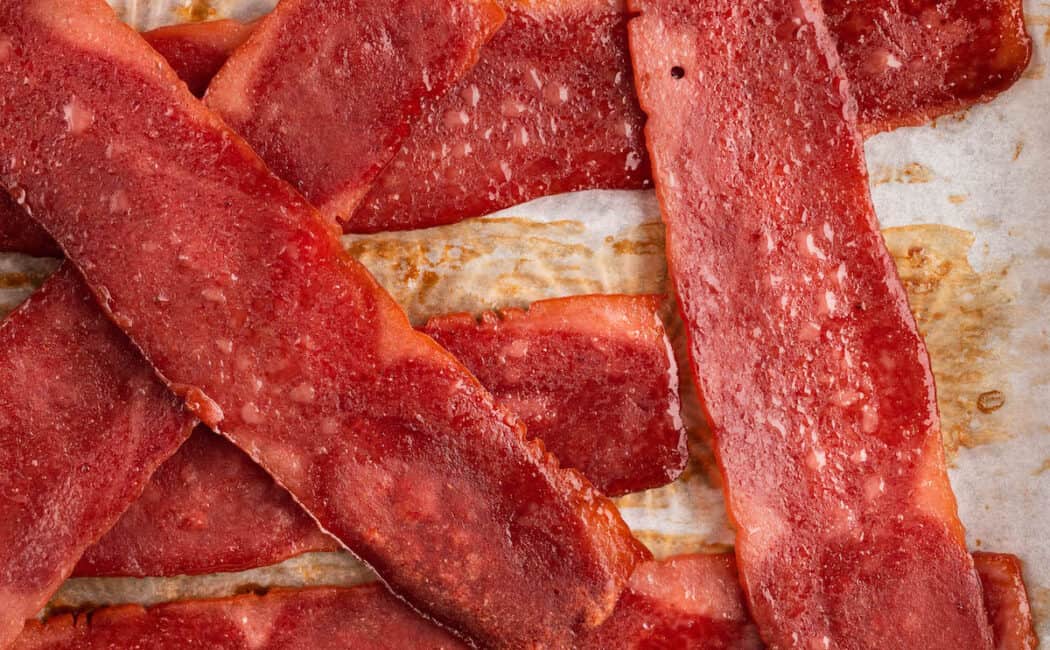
(1006, 599)
(691, 599)
(911, 61)
(83, 425)
(198, 50)
(548, 108)
(599, 365)
(592, 376)
(325, 90)
(309, 619)
(208, 509)
(974, 50)
(243, 299)
(813, 375)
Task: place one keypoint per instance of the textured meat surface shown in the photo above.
(548, 108)
(242, 298)
(20, 234)
(591, 376)
(1006, 600)
(365, 617)
(207, 509)
(811, 370)
(558, 112)
(909, 61)
(83, 425)
(196, 51)
(325, 91)
(690, 601)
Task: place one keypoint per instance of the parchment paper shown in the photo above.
(963, 202)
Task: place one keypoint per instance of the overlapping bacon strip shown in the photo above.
(207, 509)
(197, 51)
(239, 294)
(692, 600)
(909, 61)
(549, 107)
(813, 375)
(1006, 600)
(83, 424)
(592, 376)
(325, 90)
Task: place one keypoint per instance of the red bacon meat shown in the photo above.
(1006, 599)
(20, 234)
(244, 301)
(594, 377)
(690, 601)
(365, 617)
(600, 366)
(548, 108)
(909, 61)
(812, 373)
(208, 509)
(198, 50)
(323, 89)
(956, 55)
(83, 425)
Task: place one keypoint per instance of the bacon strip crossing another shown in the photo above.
(241, 297)
(810, 367)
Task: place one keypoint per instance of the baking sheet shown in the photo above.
(963, 204)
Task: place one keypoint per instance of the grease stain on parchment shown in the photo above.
(490, 263)
(307, 570)
(20, 276)
(195, 11)
(961, 314)
(909, 174)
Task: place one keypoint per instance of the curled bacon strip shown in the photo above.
(239, 294)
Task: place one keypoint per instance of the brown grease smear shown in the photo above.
(1039, 599)
(492, 263)
(1036, 72)
(960, 313)
(664, 546)
(20, 279)
(1033, 20)
(909, 174)
(1042, 468)
(197, 11)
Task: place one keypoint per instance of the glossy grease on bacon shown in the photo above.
(548, 108)
(83, 425)
(593, 377)
(207, 509)
(810, 367)
(240, 295)
(325, 90)
(197, 51)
